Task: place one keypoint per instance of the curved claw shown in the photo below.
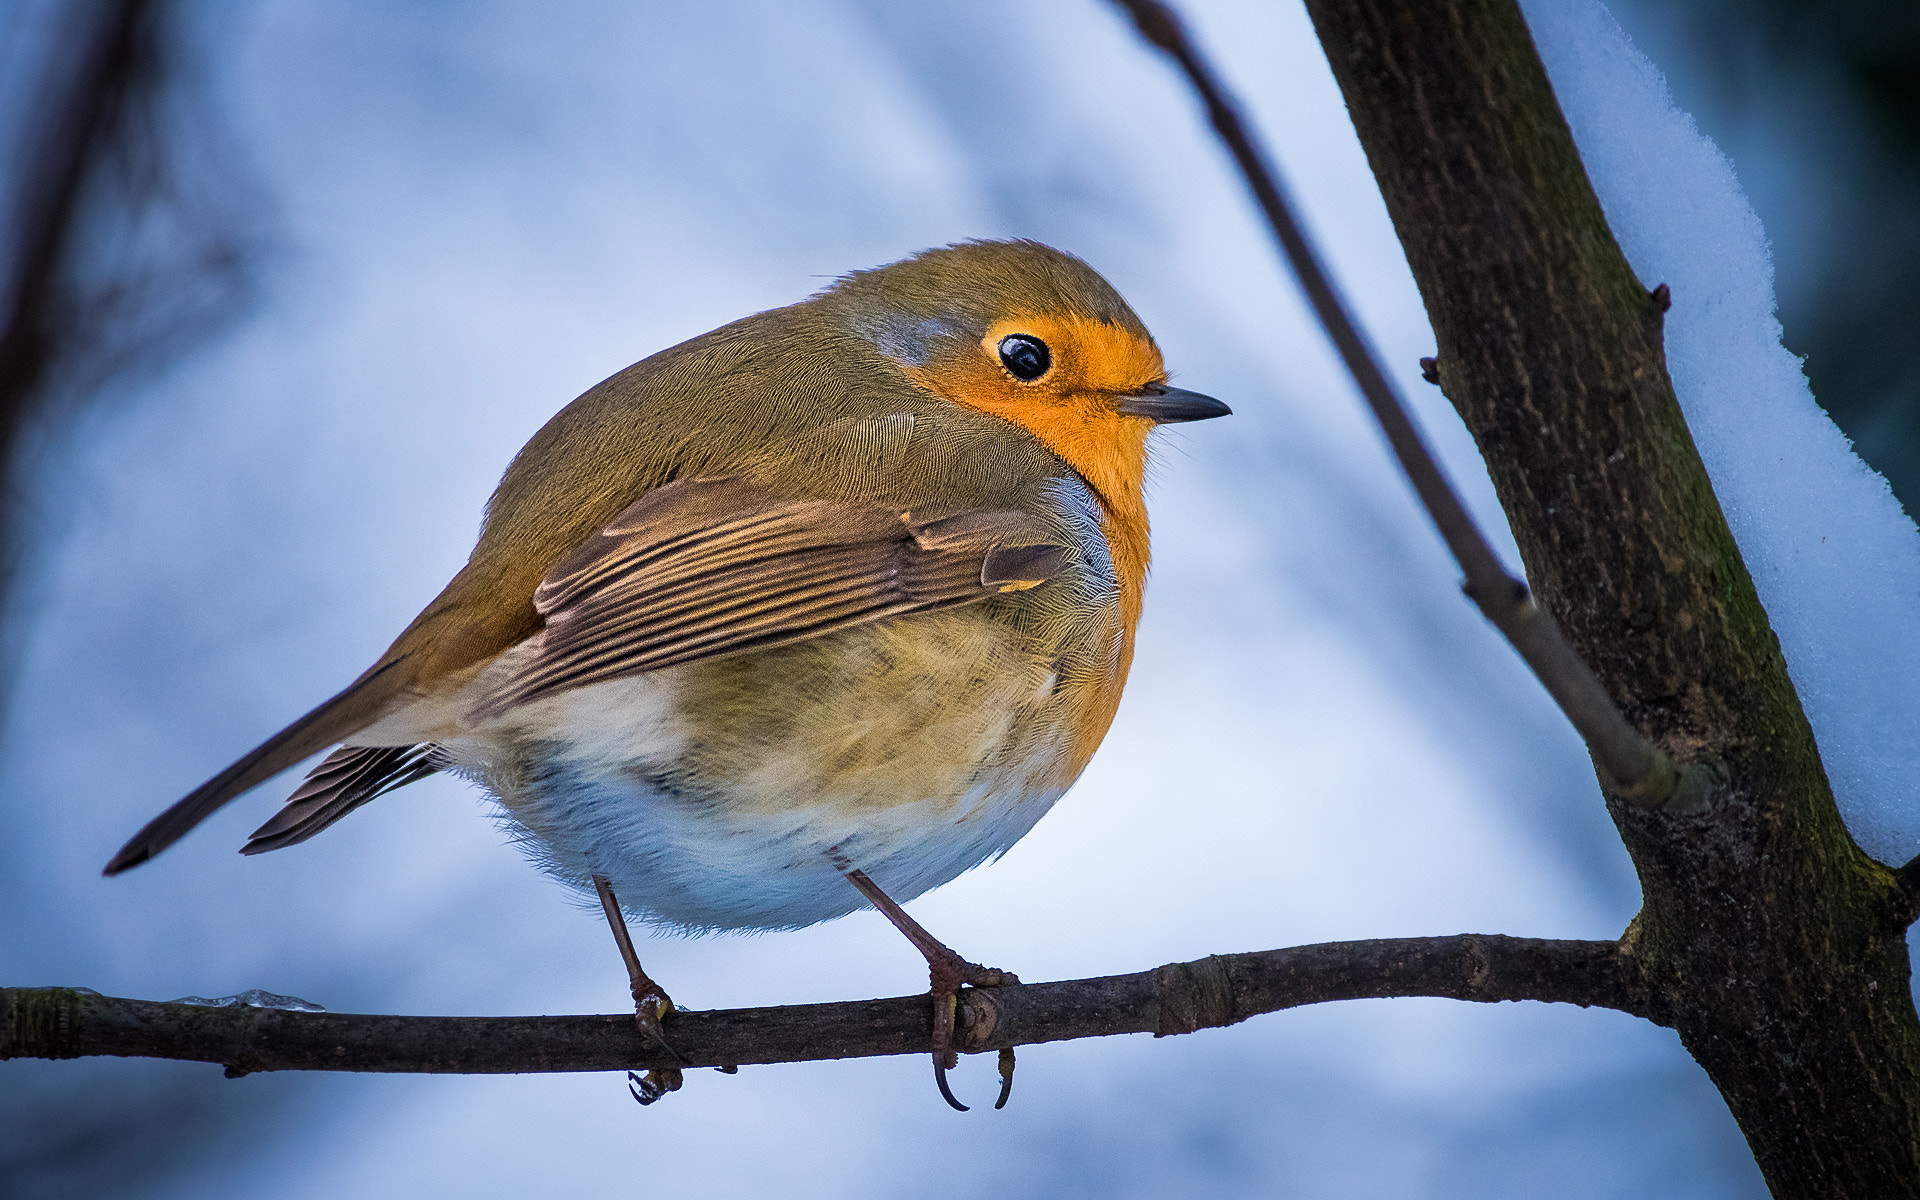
(946, 1093)
(946, 1005)
(655, 1084)
(647, 1017)
(1006, 1083)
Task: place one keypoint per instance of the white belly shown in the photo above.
(733, 795)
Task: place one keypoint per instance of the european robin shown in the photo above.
(844, 592)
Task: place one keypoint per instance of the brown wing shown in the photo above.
(348, 778)
(706, 568)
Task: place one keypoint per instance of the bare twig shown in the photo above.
(1631, 765)
(50, 202)
(1173, 999)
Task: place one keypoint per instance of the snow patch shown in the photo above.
(1835, 559)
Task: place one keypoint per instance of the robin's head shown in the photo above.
(1035, 337)
(1024, 332)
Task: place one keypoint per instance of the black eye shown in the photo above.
(1025, 358)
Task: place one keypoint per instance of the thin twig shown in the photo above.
(1630, 764)
(1173, 999)
(74, 131)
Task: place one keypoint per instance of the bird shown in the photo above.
(817, 610)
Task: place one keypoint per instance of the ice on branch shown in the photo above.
(253, 998)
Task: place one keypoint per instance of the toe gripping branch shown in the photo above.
(648, 1008)
(949, 974)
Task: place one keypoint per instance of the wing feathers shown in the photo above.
(1015, 568)
(706, 568)
(348, 778)
(698, 569)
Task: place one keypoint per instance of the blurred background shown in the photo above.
(329, 265)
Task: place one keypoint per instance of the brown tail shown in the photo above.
(339, 718)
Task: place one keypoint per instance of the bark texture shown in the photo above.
(1177, 998)
(1768, 939)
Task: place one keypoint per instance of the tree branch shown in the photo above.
(1633, 765)
(1908, 877)
(1778, 948)
(1176, 998)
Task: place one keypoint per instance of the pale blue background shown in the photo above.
(477, 211)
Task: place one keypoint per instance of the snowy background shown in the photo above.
(479, 210)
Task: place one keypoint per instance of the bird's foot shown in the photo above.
(650, 1004)
(949, 973)
(654, 1084)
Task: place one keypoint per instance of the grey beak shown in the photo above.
(1165, 405)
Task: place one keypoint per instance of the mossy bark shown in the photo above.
(1767, 939)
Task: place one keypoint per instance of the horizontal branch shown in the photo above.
(1177, 998)
(1630, 763)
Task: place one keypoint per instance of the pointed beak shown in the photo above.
(1165, 405)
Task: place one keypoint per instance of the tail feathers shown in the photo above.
(341, 717)
(350, 776)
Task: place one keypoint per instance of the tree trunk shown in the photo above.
(1772, 944)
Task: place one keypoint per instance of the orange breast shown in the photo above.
(1070, 410)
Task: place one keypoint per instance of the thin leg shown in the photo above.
(650, 1001)
(948, 971)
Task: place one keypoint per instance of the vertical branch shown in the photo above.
(1632, 766)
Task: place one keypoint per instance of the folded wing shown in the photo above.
(709, 568)
(346, 779)
(695, 570)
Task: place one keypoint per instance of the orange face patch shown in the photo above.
(1070, 409)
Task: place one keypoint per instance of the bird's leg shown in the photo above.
(949, 971)
(650, 1002)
